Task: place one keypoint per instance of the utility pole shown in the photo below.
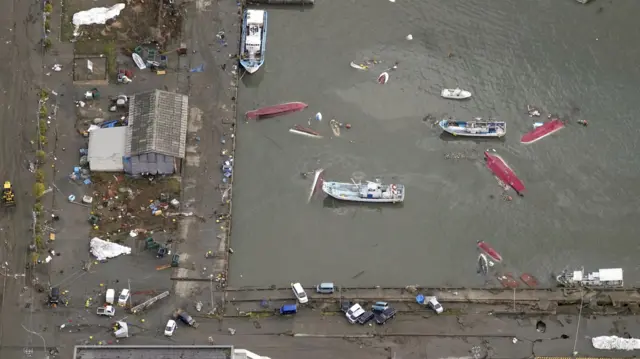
(130, 295)
(211, 291)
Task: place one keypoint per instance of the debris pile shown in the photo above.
(104, 250)
(615, 343)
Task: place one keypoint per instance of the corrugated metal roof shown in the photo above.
(153, 352)
(157, 124)
(106, 149)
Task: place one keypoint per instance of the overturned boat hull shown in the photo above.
(495, 129)
(276, 110)
(492, 253)
(543, 131)
(504, 173)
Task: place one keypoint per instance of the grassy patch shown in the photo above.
(67, 27)
(110, 53)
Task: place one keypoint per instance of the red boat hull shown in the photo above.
(500, 168)
(277, 110)
(545, 130)
(490, 251)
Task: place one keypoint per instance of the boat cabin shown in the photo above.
(612, 277)
(253, 38)
(374, 190)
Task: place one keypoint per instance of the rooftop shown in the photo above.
(153, 352)
(157, 124)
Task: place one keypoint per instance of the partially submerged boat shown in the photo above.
(504, 173)
(316, 185)
(276, 110)
(383, 78)
(305, 131)
(474, 128)
(483, 264)
(335, 127)
(374, 192)
(543, 131)
(358, 67)
(610, 277)
(507, 280)
(254, 40)
(455, 94)
(486, 248)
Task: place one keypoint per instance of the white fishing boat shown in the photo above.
(455, 94)
(476, 128)
(374, 192)
(254, 40)
(611, 277)
(483, 264)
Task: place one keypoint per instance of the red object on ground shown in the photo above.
(490, 251)
(543, 131)
(507, 280)
(277, 110)
(529, 280)
(500, 168)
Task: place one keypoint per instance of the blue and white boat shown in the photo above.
(254, 40)
(374, 192)
(475, 128)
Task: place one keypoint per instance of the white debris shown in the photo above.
(409, 37)
(104, 250)
(615, 343)
(93, 128)
(57, 68)
(97, 15)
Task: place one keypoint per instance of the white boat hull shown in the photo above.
(355, 192)
(455, 94)
(252, 69)
(466, 129)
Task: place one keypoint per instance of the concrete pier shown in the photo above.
(559, 296)
(280, 2)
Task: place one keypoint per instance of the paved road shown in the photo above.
(20, 67)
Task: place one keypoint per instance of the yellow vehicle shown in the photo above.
(8, 197)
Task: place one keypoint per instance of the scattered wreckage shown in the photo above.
(607, 278)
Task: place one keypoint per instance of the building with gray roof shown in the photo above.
(157, 132)
(162, 352)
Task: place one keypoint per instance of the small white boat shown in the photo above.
(455, 94)
(138, 60)
(374, 192)
(358, 67)
(383, 78)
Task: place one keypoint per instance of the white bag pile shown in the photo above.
(615, 343)
(104, 250)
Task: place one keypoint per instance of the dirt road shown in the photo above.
(20, 68)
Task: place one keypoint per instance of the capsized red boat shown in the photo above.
(543, 131)
(277, 110)
(490, 251)
(504, 173)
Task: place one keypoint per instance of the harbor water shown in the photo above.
(582, 199)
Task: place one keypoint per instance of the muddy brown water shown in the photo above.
(569, 59)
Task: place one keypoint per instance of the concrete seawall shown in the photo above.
(542, 297)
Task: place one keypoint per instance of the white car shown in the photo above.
(354, 313)
(433, 303)
(170, 328)
(123, 298)
(299, 292)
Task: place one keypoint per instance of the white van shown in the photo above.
(110, 296)
(299, 292)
